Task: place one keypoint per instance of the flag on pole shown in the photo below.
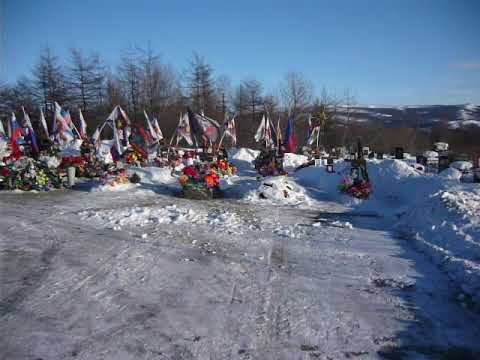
(152, 132)
(26, 118)
(44, 123)
(290, 140)
(31, 133)
(230, 130)
(116, 149)
(183, 129)
(314, 135)
(310, 126)
(16, 133)
(83, 125)
(63, 133)
(96, 139)
(261, 130)
(268, 132)
(157, 129)
(204, 127)
(279, 132)
(2, 129)
(264, 131)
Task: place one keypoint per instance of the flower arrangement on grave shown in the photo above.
(199, 177)
(115, 176)
(75, 161)
(28, 174)
(360, 189)
(134, 156)
(223, 168)
(267, 164)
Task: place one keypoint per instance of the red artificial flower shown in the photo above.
(5, 172)
(190, 171)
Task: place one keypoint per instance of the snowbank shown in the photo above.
(447, 227)
(438, 213)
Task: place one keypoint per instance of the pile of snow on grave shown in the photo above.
(278, 190)
(243, 157)
(291, 160)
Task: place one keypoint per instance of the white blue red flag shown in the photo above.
(83, 125)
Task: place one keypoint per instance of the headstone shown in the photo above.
(421, 160)
(329, 161)
(476, 161)
(329, 168)
(379, 156)
(432, 165)
(443, 162)
(318, 162)
(476, 175)
(399, 153)
(371, 155)
(355, 173)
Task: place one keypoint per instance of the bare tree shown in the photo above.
(158, 82)
(200, 84)
(253, 94)
(49, 84)
(129, 76)
(223, 93)
(296, 92)
(87, 79)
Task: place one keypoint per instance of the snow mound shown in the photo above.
(294, 160)
(72, 149)
(244, 154)
(143, 216)
(153, 175)
(461, 165)
(114, 188)
(451, 174)
(388, 170)
(279, 190)
(430, 154)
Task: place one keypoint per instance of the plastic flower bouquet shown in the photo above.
(358, 189)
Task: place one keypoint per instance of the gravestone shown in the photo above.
(421, 160)
(443, 162)
(399, 153)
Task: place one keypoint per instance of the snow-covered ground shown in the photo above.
(281, 268)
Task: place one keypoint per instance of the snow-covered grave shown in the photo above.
(282, 267)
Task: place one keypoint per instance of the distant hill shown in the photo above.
(422, 116)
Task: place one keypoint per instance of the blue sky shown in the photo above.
(385, 51)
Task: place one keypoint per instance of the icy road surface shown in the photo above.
(144, 275)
